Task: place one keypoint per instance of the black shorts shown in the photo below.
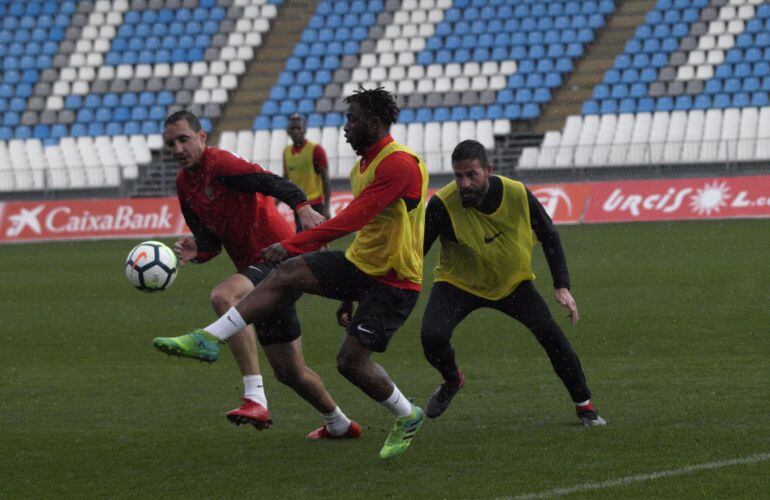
(381, 309)
(281, 326)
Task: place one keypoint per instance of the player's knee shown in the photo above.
(221, 301)
(348, 365)
(432, 342)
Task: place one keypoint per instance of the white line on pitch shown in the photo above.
(612, 483)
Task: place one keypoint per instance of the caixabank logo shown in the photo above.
(90, 219)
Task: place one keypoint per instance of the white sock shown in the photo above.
(337, 422)
(227, 325)
(254, 390)
(398, 405)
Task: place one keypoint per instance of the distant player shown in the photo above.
(224, 199)
(305, 164)
(485, 224)
(381, 269)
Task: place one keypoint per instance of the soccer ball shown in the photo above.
(151, 266)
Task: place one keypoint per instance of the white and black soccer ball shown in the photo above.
(151, 266)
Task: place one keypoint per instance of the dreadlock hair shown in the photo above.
(470, 150)
(376, 102)
(192, 120)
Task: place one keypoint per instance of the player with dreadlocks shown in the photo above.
(381, 270)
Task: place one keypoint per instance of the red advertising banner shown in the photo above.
(565, 203)
(679, 199)
(620, 201)
(90, 219)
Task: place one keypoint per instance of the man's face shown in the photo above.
(296, 131)
(360, 129)
(472, 180)
(186, 146)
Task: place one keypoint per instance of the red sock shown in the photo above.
(585, 407)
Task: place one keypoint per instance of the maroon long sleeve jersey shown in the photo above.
(225, 202)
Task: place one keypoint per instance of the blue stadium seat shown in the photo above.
(530, 111)
(541, 95)
(407, 115)
(41, 131)
(58, 131)
(760, 99)
(150, 127)
(523, 95)
(121, 114)
(741, 100)
(553, 80)
(494, 111)
(441, 114)
(315, 120)
(262, 122)
(732, 85)
(459, 113)
(333, 120)
(664, 103)
(619, 91)
(79, 130)
(305, 106)
(683, 102)
(608, 106)
(702, 101)
(627, 105)
(279, 122)
(721, 101)
(22, 132)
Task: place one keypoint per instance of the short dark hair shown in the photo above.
(470, 150)
(297, 117)
(376, 102)
(192, 120)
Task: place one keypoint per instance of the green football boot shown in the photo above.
(198, 344)
(401, 435)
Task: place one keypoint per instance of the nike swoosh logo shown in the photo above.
(490, 239)
(231, 320)
(138, 257)
(364, 329)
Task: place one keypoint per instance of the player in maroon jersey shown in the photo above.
(224, 202)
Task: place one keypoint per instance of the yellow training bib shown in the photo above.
(493, 253)
(300, 170)
(393, 239)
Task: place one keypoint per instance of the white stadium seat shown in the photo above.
(693, 136)
(621, 139)
(677, 127)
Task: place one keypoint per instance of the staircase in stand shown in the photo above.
(156, 179)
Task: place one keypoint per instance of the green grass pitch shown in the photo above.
(674, 338)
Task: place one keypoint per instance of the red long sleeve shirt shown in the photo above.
(397, 176)
(225, 203)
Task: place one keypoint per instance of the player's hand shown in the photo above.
(564, 297)
(274, 254)
(309, 218)
(344, 313)
(186, 248)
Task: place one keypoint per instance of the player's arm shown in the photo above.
(268, 184)
(321, 167)
(437, 223)
(546, 233)
(241, 175)
(204, 245)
